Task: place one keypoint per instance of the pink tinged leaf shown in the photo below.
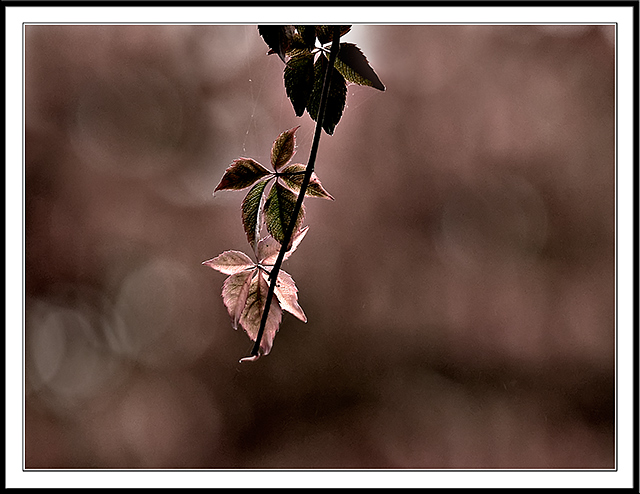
(241, 174)
(235, 291)
(293, 175)
(253, 358)
(283, 148)
(230, 262)
(287, 294)
(252, 314)
(252, 213)
(268, 248)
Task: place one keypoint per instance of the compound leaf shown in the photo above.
(354, 67)
(252, 212)
(242, 173)
(278, 210)
(283, 148)
(293, 175)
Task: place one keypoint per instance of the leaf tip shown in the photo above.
(253, 358)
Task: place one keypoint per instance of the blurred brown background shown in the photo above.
(460, 290)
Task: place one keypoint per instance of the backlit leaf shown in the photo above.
(235, 291)
(336, 98)
(268, 248)
(325, 33)
(353, 65)
(278, 38)
(287, 294)
(283, 148)
(293, 175)
(298, 80)
(252, 212)
(308, 35)
(278, 209)
(252, 314)
(230, 262)
(242, 173)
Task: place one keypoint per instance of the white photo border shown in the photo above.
(626, 369)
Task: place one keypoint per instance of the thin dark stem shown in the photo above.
(303, 188)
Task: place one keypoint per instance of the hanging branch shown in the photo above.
(257, 292)
(303, 188)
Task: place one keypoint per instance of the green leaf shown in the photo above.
(242, 173)
(308, 35)
(251, 213)
(353, 65)
(278, 210)
(325, 33)
(298, 80)
(336, 98)
(278, 38)
(283, 148)
(293, 175)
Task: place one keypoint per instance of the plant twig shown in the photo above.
(335, 44)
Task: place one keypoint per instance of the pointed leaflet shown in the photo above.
(287, 294)
(353, 65)
(283, 148)
(336, 97)
(298, 80)
(251, 213)
(325, 33)
(278, 210)
(230, 262)
(268, 248)
(242, 173)
(235, 291)
(252, 314)
(308, 35)
(293, 176)
(278, 38)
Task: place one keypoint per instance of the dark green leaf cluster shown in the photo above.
(306, 63)
(274, 209)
